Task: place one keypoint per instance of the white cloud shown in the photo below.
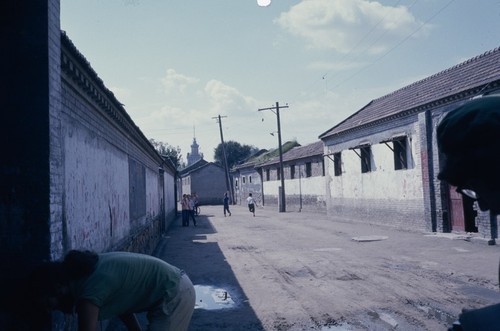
(225, 99)
(342, 24)
(174, 82)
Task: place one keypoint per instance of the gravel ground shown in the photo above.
(305, 271)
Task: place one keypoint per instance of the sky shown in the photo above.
(177, 65)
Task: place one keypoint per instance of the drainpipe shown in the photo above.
(430, 168)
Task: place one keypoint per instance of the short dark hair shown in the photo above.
(79, 264)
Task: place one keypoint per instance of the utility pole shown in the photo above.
(276, 110)
(228, 181)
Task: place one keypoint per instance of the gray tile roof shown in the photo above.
(260, 158)
(462, 78)
(300, 152)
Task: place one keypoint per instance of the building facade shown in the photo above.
(383, 160)
(76, 172)
(304, 171)
(207, 179)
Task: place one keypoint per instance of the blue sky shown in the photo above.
(176, 65)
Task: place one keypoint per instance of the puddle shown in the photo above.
(211, 298)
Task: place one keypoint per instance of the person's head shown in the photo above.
(469, 139)
(49, 282)
(249, 194)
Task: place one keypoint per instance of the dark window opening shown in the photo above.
(337, 164)
(366, 165)
(400, 154)
(308, 169)
(268, 174)
(292, 171)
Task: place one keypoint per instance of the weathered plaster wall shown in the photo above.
(302, 193)
(383, 195)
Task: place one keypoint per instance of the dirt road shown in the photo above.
(298, 271)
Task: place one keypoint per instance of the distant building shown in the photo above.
(207, 179)
(195, 155)
(247, 176)
(304, 176)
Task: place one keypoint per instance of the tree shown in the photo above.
(235, 153)
(168, 151)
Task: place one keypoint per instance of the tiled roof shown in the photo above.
(196, 165)
(267, 155)
(300, 152)
(473, 73)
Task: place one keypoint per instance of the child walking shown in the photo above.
(226, 204)
(251, 204)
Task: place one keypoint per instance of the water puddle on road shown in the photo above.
(211, 298)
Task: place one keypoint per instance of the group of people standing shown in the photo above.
(189, 204)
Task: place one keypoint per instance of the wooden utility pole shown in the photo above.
(228, 180)
(282, 202)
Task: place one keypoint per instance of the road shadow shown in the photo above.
(206, 265)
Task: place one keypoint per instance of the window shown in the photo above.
(267, 174)
(366, 164)
(292, 171)
(337, 164)
(322, 167)
(278, 173)
(400, 153)
(308, 169)
(243, 179)
(250, 179)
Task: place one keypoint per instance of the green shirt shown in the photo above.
(127, 283)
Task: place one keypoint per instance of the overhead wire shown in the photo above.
(396, 45)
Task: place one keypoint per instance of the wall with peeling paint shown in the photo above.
(383, 195)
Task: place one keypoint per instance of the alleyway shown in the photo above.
(297, 271)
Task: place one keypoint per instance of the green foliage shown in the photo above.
(235, 153)
(168, 151)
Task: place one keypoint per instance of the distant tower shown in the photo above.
(194, 156)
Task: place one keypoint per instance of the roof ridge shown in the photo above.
(442, 72)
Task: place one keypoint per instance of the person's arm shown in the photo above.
(131, 322)
(88, 314)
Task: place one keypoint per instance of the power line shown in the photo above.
(395, 46)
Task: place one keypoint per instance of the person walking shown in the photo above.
(185, 210)
(226, 204)
(251, 204)
(196, 200)
(114, 284)
(191, 205)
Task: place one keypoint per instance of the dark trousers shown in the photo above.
(191, 214)
(226, 208)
